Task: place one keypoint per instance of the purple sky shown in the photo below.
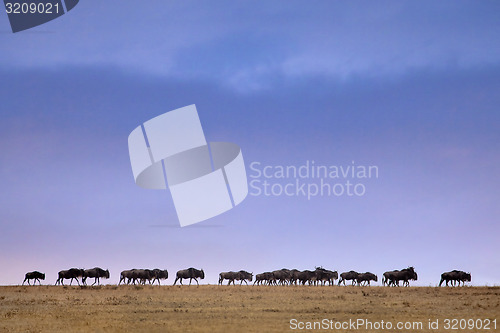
(411, 87)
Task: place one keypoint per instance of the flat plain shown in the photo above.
(209, 308)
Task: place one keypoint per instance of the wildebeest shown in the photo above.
(281, 276)
(264, 278)
(393, 277)
(455, 275)
(95, 273)
(72, 273)
(325, 275)
(244, 276)
(35, 275)
(351, 275)
(231, 276)
(127, 274)
(136, 275)
(190, 273)
(159, 274)
(306, 276)
(365, 277)
(294, 276)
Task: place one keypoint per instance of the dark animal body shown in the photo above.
(244, 276)
(293, 277)
(351, 275)
(72, 273)
(264, 278)
(324, 276)
(35, 275)
(232, 276)
(392, 278)
(95, 273)
(366, 277)
(455, 276)
(159, 274)
(137, 275)
(190, 273)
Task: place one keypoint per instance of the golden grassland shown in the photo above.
(210, 308)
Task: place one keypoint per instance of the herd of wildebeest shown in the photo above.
(320, 276)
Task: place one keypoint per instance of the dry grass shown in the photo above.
(230, 309)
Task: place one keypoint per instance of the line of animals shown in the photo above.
(319, 276)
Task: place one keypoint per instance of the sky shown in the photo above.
(411, 87)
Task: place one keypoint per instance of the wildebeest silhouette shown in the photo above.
(366, 277)
(324, 275)
(190, 273)
(351, 275)
(455, 276)
(136, 275)
(405, 275)
(264, 278)
(72, 273)
(159, 274)
(244, 276)
(35, 275)
(239, 276)
(95, 273)
(230, 276)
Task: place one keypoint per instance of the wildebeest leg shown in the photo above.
(25, 281)
(198, 283)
